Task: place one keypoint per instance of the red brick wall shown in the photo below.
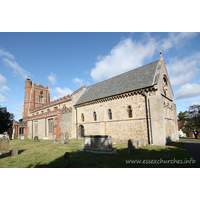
(57, 125)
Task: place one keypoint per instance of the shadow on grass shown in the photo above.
(9, 153)
(122, 159)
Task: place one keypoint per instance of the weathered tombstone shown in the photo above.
(36, 139)
(83, 142)
(130, 146)
(62, 136)
(22, 137)
(66, 136)
(14, 152)
(4, 145)
(66, 158)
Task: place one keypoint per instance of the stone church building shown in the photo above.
(137, 105)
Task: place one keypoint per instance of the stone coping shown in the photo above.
(113, 151)
(97, 136)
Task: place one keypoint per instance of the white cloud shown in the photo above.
(17, 69)
(18, 112)
(52, 78)
(6, 54)
(194, 103)
(78, 81)
(176, 39)
(183, 71)
(129, 54)
(58, 92)
(125, 56)
(3, 99)
(4, 88)
(2, 80)
(188, 91)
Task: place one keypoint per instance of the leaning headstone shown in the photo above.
(14, 152)
(130, 146)
(36, 139)
(66, 160)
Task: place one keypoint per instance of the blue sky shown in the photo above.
(69, 60)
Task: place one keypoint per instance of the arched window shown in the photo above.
(95, 116)
(129, 112)
(109, 114)
(81, 131)
(82, 117)
(165, 86)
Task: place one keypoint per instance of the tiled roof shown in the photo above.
(135, 79)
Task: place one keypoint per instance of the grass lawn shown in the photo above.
(46, 155)
(190, 139)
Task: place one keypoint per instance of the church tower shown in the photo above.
(34, 96)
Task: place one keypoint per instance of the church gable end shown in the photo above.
(162, 80)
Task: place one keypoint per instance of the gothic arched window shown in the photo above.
(95, 116)
(109, 114)
(129, 112)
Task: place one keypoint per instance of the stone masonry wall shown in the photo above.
(121, 128)
(41, 128)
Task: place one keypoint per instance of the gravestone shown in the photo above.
(22, 137)
(14, 152)
(66, 160)
(4, 145)
(64, 138)
(36, 139)
(83, 142)
(130, 146)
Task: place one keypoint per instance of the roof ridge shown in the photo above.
(134, 79)
(122, 74)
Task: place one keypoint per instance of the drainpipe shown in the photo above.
(150, 123)
(45, 128)
(76, 122)
(32, 129)
(146, 115)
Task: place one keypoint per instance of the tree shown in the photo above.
(190, 120)
(6, 119)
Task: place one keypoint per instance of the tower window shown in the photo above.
(129, 112)
(40, 99)
(109, 114)
(95, 116)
